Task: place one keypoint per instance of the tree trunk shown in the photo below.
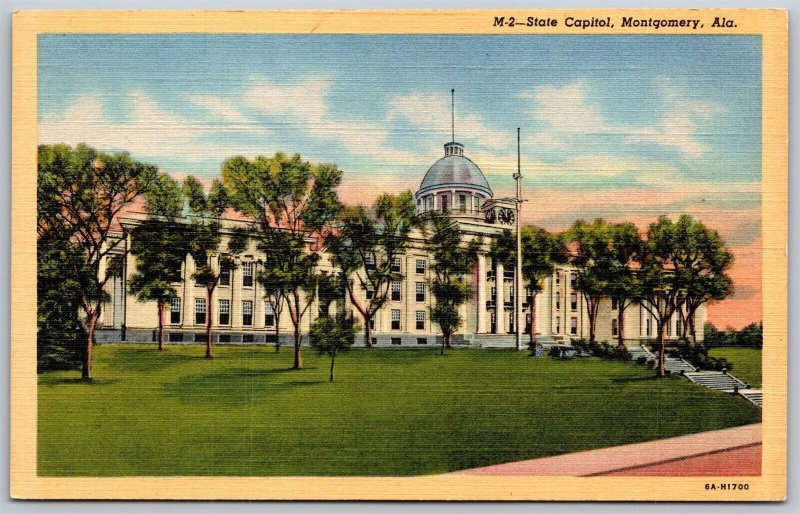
(532, 330)
(295, 315)
(445, 342)
(209, 312)
(620, 325)
(692, 327)
(662, 343)
(590, 305)
(333, 359)
(161, 305)
(91, 322)
(367, 333)
(277, 335)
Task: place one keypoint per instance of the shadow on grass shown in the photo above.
(234, 386)
(56, 381)
(148, 359)
(631, 378)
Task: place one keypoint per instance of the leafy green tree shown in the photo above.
(453, 260)
(751, 336)
(160, 246)
(541, 253)
(205, 237)
(294, 204)
(364, 248)
(708, 261)
(331, 335)
(80, 193)
(593, 244)
(622, 283)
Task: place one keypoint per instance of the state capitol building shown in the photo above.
(454, 184)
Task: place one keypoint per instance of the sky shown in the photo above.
(621, 127)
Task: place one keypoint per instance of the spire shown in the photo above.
(453, 114)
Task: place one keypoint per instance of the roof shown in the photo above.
(454, 171)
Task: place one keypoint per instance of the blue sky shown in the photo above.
(598, 113)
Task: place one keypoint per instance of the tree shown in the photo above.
(622, 283)
(293, 204)
(452, 263)
(81, 192)
(333, 334)
(670, 265)
(160, 246)
(541, 253)
(751, 336)
(205, 236)
(364, 248)
(593, 243)
(706, 282)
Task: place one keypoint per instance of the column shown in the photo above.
(481, 315)
(500, 300)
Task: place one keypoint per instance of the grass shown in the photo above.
(746, 363)
(390, 412)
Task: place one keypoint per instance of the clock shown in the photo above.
(506, 216)
(490, 216)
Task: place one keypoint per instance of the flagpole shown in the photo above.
(518, 274)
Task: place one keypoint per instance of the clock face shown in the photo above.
(489, 216)
(506, 216)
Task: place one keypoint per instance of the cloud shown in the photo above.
(226, 109)
(148, 131)
(430, 112)
(566, 109)
(304, 105)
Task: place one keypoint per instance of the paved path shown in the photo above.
(729, 452)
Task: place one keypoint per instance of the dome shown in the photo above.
(454, 171)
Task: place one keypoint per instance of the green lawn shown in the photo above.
(746, 363)
(390, 412)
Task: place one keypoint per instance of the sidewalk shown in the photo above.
(729, 452)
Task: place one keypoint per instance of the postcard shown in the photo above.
(406, 255)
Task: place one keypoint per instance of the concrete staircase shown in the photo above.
(754, 396)
(675, 366)
(716, 380)
(641, 351)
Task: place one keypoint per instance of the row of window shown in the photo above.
(397, 264)
(395, 289)
(224, 311)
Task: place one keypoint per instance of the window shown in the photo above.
(613, 304)
(224, 273)
(247, 313)
(397, 340)
(422, 340)
(420, 320)
(370, 293)
(558, 301)
(201, 338)
(614, 328)
(247, 274)
(558, 277)
(648, 327)
(494, 293)
(200, 311)
(396, 291)
(669, 328)
(679, 325)
(420, 291)
(369, 262)
(224, 312)
(558, 324)
(224, 338)
(395, 265)
(573, 301)
(511, 321)
(444, 203)
(269, 314)
(247, 338)
(462, 203)
(430, 203)
(573, 280)
(372, 322)
(573, 325)
(175, 311)
(175, 337)
(395, 319)
(420, 267)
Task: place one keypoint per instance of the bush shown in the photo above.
(641, 359)
(651, 364)
(622, 354)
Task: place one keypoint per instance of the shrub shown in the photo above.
(641, 359)
(651, 364)
(621, 353)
